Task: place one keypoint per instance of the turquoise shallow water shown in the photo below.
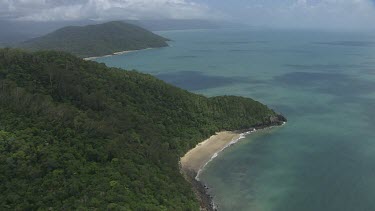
(324, 158)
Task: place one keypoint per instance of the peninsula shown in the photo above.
(96, 40)
(77, 134)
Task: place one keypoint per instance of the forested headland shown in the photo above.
(77, 135)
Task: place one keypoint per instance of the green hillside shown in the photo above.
(77, 135)
(96, 40)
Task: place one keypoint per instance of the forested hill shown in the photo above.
(77, 135)
(96, 40)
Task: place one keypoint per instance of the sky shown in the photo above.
(350, 14)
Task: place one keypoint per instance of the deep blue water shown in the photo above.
(324, 158)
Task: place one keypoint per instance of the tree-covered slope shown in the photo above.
(76, 134)
(96, 40)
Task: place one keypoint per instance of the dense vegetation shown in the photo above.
(96, 40)
(76, 134)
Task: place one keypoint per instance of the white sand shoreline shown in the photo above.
(233, 141)
(195, 160)
(114, 54)
(200, 155)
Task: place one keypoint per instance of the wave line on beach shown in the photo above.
(234, 141)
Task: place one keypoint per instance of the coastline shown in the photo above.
(196, 159)
(114, 54)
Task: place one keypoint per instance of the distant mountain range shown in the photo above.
(18, 31)
(96, 40)
(161, 25)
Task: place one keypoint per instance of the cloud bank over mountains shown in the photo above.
(51, 10)
(350, 14)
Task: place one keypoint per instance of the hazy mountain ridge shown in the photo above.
(19, 31)
(96, 40)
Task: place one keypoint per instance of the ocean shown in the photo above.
(323, 159)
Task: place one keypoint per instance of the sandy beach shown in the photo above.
(116, 53)
(195, 160)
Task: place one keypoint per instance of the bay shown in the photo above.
(323, 82)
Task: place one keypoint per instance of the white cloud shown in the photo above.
(46, 10)
(343, 14)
